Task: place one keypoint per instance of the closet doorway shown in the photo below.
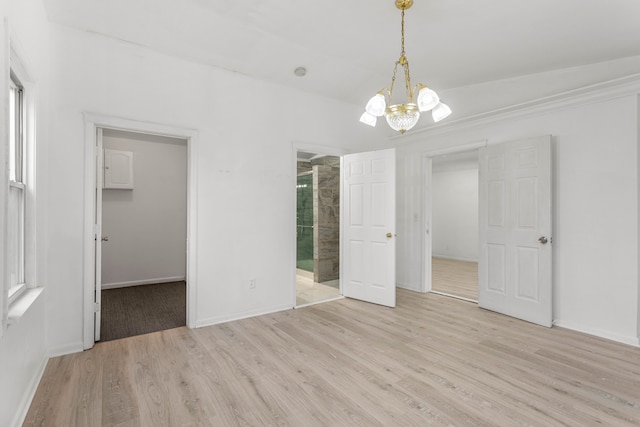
(144, 234)
(454, 224)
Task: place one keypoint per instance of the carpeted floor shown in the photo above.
(140, 310)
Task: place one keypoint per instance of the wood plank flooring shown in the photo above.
(459, 278)
(432, 360)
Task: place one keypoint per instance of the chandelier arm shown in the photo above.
(407, 82)
(393, 82)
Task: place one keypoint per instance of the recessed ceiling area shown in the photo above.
(350, 47)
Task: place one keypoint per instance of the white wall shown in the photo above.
(595, 239)
(23, 351)
(245, 169)
(146, 226)
(454, 201)
(245, 194)
(23, 357)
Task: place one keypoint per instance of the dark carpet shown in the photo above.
(140, 310)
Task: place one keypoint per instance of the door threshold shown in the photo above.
(454, 296)
(319, 302)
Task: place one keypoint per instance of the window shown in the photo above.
(17, 190)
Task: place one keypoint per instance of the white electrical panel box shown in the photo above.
(118, 170)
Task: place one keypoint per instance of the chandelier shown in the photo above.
(402, 117)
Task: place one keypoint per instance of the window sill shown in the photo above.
(20, 306)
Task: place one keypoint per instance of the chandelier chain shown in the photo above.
(405, 63)
(402, 37)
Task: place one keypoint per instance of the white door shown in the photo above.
(369, 212)
(98, 234)
(514, 269)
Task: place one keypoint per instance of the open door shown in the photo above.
(98, 233)
(514, 269)
(369, 212)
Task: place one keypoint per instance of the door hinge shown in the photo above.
(96, 231)
(96, 307)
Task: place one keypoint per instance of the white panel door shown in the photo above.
(98, 235)
(514, 269)
(369, 218)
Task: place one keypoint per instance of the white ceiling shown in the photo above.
(349, 47)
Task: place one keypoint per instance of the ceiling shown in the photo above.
(349, 47)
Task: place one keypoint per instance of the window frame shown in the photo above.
(16, 122)
(20, 192)
(17, 186)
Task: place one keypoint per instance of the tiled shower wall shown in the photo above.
(326, 215)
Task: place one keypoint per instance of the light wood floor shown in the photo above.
(459, 278)
(432, 360)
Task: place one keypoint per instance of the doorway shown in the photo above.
(454, 224)
(514, 227)
(317, 228)
(143, 242)
(94, 123)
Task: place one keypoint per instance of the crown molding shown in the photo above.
(599, 92)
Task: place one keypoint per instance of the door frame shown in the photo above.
(427, 216)
(92, 122)
(320, 149)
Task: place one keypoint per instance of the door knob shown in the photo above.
(105, 238)
(543, 240)
(389, 235)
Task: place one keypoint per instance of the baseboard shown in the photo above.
(63, 350)
(409, 287)
(453, 258)
(224, 319)
(27, 398)
(633, 341)
(142, 282)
